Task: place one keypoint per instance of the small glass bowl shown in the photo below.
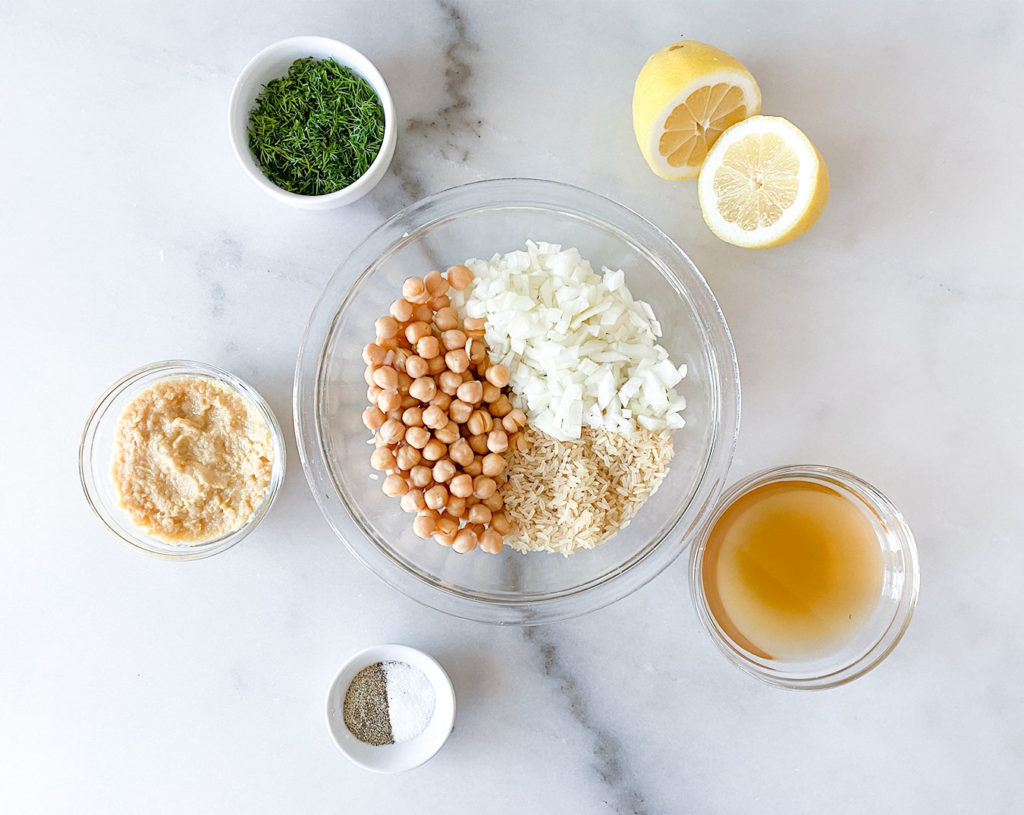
(895, 606)
(96, 450)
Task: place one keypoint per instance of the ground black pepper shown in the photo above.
(366, 706)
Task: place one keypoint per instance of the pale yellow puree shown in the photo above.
(192, 460)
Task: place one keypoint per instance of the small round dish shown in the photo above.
(879, 635)
(96, 450)
(272, 63)
(392, 758)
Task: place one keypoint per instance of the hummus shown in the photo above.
(192, 460)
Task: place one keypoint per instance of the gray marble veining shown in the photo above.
(886, 341)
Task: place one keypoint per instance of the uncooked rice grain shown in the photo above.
(563, 496)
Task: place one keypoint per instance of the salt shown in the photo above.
(410, 700)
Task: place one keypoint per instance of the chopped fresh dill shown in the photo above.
(316, 130)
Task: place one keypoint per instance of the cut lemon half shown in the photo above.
(762, 184)
(685, 96)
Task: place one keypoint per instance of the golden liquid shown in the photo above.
(792, 570)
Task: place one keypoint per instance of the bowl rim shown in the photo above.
(347, 56)
(790, 675)
(670, 542)
(172, 369)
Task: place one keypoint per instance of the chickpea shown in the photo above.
(415, 331)
(436, 365)
(444, 538)
(457, 360)
(414, 290)
(499, 523)
(461, 452)
(425, 525)
(434, 417)
(368, 374)
(481, 369)
(461, 486)
(392, 431)
(436, 497)
(471, 392)
(449, 434)
(373, 354)
(435, 283)
(479, 514)
(446, 319)
(459, 277)
(474, 468)
(474, 326)
(440, 302)
(509, 425)
(413, 501)
(479, 444)
(412, 417)
(449, 382)
(490, 542)
(442, 400)
(493, 464)
(372, 394)
(386, 327)
(491, 393)
(448, 525)
(395, 485)
(501, 407)
(522, 445)
(386, 378)
(423, 312)
(400, 356)
(477, 351)
(383, 459)
(434, 450)
(416, 367)
(423, 389)
(417, 437)
(465, 541)
(495, 502)
(460, 411)
(497, 375)
(497, 441)
(519, 417)
(401, 310)
(428, 347)
(373, 417)
(443, 471)
(407, 457)
(452, 339)
(484, 486)
(480, 422)
(389, 401)
(456, 507)
(420, 476)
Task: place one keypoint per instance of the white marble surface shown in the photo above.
(886, 341)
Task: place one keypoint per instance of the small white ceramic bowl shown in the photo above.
(272, 63)
(392, 758)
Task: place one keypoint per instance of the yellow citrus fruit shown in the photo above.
(686, 95)
(762, 184)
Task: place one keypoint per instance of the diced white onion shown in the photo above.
(579, 349)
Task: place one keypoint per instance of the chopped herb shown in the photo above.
(316, 130)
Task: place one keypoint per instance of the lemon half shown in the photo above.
(686, 95)
(762, 184)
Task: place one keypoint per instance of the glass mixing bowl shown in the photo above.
(479, 220)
